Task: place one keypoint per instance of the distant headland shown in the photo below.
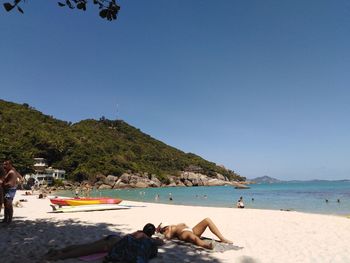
(94, 149)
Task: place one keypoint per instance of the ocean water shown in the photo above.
(309, 196)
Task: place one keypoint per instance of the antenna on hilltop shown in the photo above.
(117, 115)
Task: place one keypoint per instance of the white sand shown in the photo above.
(265, 235)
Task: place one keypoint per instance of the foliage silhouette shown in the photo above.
(108, 9)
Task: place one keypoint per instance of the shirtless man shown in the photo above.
(2, 175)
(10, 186)
(100, 246)
(183, 232)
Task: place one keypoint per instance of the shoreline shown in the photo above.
(264, 235)
(57, 193)
(247, 208)
(226, 197)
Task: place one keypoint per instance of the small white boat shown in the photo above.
(87, 208)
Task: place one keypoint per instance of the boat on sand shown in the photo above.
(84, 201)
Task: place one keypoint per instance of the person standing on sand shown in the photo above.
(10, 187)
(1, 188)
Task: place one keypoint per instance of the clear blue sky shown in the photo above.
(261, 87)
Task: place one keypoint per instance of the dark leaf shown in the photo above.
(20, 9)
(103, 13)
(8, 6)
(17, 1)
(80, 5)
(114, 15)
(61, 4)
(109, 16)
(69, 4)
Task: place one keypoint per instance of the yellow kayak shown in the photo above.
(76, 202)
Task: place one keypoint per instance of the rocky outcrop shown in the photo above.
(155, 182)
(215, 182)
(193, 179)
(145, 180)
(136, 181)
(110, 180)
(104, 186)
(221, 177)
(197, 179)
(120, 185)
(240, 186)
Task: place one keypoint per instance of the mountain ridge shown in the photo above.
(91, 147)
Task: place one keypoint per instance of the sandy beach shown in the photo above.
(260, 235)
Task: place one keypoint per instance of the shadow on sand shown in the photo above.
(30, 240)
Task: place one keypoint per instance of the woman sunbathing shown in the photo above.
(183, 232)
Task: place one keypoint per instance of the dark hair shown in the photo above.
(149, 229)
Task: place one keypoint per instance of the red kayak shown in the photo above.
(84, 201)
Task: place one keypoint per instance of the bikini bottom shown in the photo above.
(186, 229)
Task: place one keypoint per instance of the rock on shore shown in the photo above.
(145, 180)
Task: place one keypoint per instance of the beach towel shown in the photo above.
(218, 246)
(132, 250)
(222, 247)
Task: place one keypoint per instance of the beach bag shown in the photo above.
(132, 250)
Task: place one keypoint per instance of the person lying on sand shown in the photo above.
(184, 233)
(115, 245)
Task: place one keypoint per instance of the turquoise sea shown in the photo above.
(309, 196)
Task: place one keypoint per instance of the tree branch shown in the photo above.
(108, 9)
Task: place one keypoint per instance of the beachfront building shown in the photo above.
(44, 174)
(39, 165)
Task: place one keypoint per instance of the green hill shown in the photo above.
(90, 147)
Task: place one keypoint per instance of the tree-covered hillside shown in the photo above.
(90, 147)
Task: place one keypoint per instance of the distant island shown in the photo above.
(265, 179)
(270, 180)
